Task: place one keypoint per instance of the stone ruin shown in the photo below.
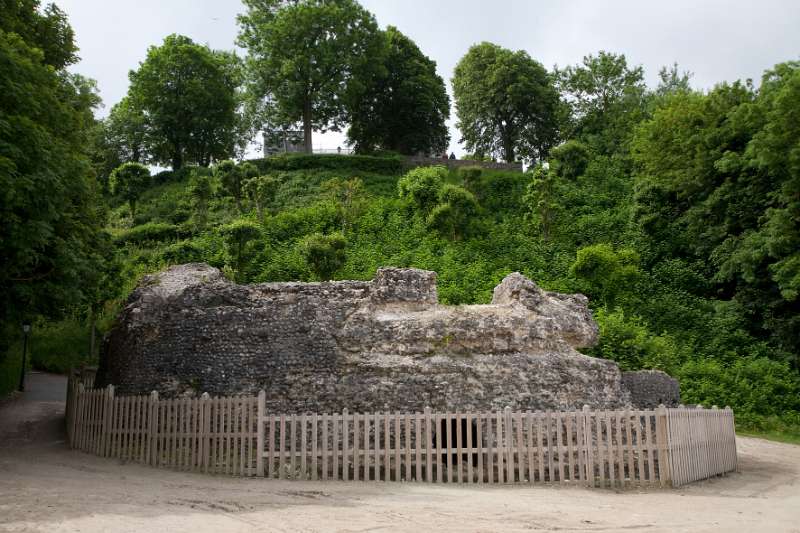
(380, 345)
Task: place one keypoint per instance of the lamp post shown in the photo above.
(26, 328)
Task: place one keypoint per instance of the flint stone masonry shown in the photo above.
(383, 345)
(650, 388)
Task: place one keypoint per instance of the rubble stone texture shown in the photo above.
(384, 345)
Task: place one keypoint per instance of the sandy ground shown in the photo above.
(46, 487)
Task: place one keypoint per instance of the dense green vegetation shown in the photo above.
(676, 211)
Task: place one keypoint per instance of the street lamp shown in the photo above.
(26, 328)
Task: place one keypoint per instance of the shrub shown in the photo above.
(452, 215)
(128, 182)
(420, 187)
(186, 251)
(324, 254)
(570, 159)
(150, 232)
(366, 163)
(237, 235)
(610, 274)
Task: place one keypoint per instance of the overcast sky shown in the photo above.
(716, 40)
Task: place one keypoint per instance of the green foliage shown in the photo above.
(187, 94)
(149, 232)
(232, 179)
(420, 187)
(452, 215)
(312, 89)
(610, 274)
(129, 181)
(506, 103)
(570, 159)
(717, 181)
(324, 254)
(541, 200)
(364, 163)
(606, 100)
(52, 242)
(629, 342)
(470, 176)
(47, 30)
(403, 106)
(237, 235)
(349, 197)
(201, 190)
(261, 192)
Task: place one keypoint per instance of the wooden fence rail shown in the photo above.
(235, 435)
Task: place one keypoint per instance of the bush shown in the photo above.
(150, 232)
(324, 254)
(628, 342)
(182, 252)
(570, 159)
(420, 187)
(366, 163)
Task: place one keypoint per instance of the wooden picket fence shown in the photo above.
(235, 435)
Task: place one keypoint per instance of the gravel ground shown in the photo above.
(46, 487)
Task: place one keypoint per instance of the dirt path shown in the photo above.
(44, 487)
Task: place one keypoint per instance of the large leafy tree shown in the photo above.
(506, 103)
(606, 99)
(119, 138)
(188, 95)
(306, 57)
(404, 106)
(717, 183)
(51, 241)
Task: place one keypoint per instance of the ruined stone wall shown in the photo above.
(651, 388)
(368, 346)
(420, 161)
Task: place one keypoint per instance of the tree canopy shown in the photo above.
(52, 243)
(506, 103)
(403, 106)
(188, 96)
(306, 58)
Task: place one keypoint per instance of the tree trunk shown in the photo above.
(307, 126)
(177, 160)
(508, 149)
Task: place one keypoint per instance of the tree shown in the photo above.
(261, 191)
(606, 99)
(119, 138)
(717, 184)
(324, 254)
(506, 103)
(304, 56)
(129, 181)
(47, 29)
(52, 243)
(188, 95)
(420, 187)
(238, 234)
(403, 106)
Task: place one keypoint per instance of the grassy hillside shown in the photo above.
(649, 317)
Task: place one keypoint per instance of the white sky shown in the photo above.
(716, 40)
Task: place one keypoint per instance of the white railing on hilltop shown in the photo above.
(236, 435)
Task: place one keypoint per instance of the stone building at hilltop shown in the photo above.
(381, 345)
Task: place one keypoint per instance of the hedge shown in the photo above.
(365, 163)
